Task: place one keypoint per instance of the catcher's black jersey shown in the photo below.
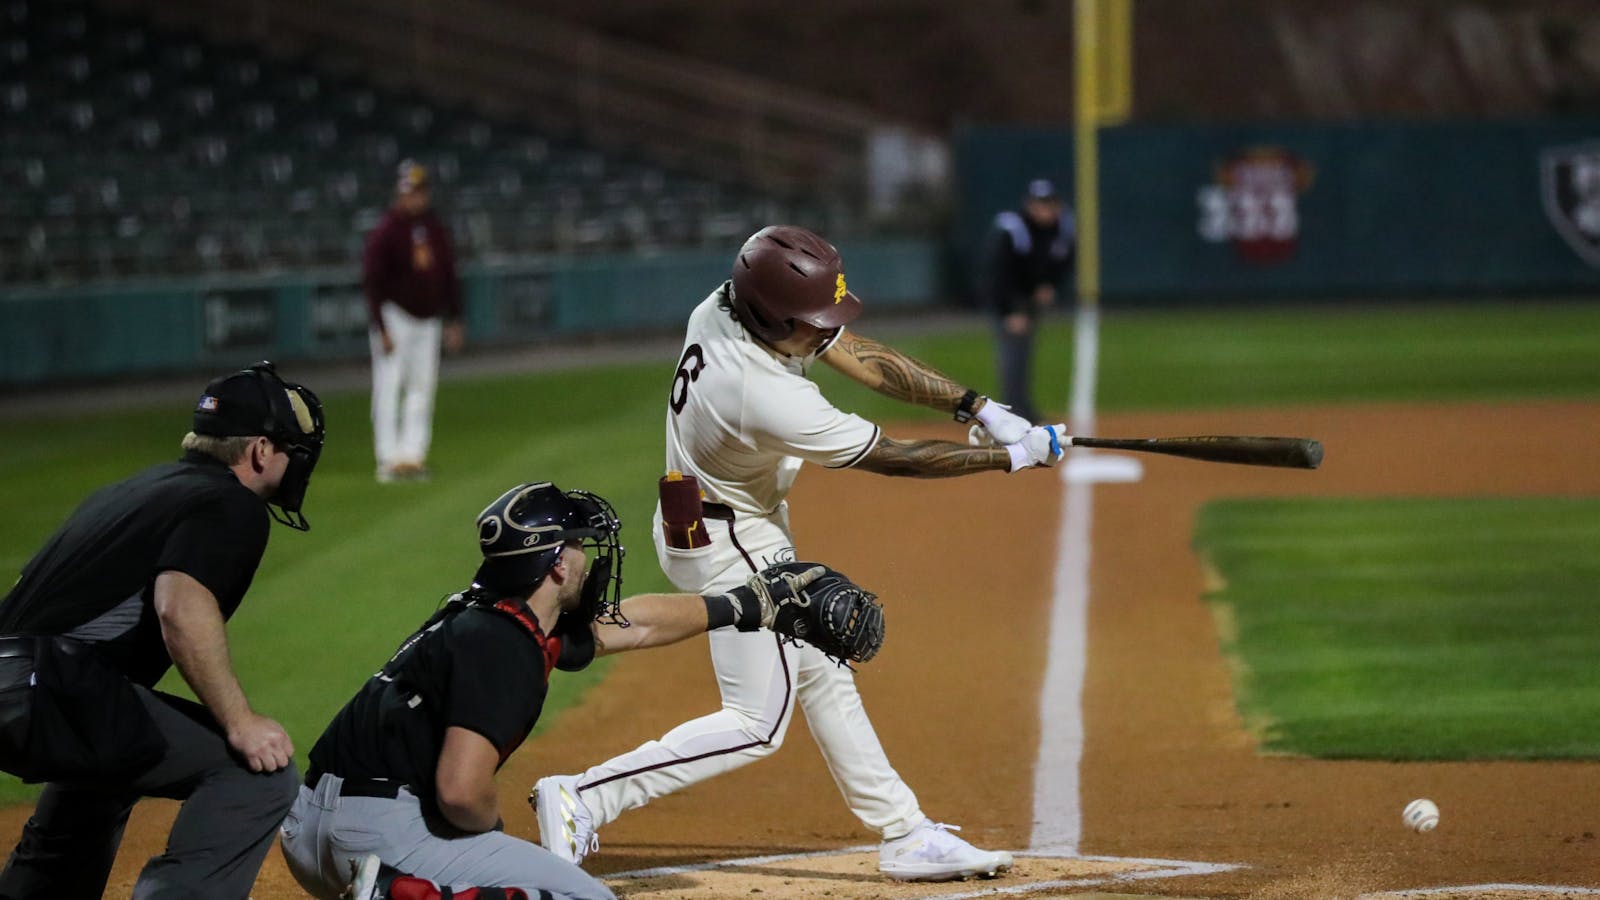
(94, 578)
(479, 669)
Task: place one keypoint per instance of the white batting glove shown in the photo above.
(1005, 426)
(1043, 445)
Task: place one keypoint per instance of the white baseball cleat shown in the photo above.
(363, 878)
(931, 853)
(566, 828)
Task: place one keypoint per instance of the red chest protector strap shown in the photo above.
(549, 647)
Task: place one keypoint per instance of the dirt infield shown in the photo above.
(1168, 775)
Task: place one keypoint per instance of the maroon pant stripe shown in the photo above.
(783, 660)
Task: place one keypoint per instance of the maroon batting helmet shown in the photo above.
(785, 274)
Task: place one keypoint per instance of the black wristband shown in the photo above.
(720, 611)
(964, 411)
(738, 608)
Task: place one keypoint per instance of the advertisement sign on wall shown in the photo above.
(338, 314)
(1570, 177)
(524, 306)
(238, 319)
(1254, 203)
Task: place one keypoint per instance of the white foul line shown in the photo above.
(1085, 369)
(1057, 825)
(1057, 813)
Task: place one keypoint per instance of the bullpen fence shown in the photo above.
(114, 330)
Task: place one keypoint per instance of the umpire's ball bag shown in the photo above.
(75, 719)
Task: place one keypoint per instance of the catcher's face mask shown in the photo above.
(602, 587)
(521, 535)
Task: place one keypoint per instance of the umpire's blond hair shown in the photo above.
(228, 450)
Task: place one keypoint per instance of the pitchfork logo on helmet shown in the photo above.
(522, 532)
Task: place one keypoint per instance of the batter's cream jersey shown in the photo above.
(742, 418)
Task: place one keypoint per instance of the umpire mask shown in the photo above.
(256, 401)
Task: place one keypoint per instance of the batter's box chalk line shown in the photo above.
(1478, 890)
(1150, 869)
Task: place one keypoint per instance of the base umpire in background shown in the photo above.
(144, 574)
(1028, 256)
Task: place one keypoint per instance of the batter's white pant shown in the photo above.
(324, 832)
(402, 431)
(760, 680)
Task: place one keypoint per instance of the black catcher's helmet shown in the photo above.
(521, 534)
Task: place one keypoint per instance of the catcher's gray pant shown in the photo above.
(760, 679)
(217, 843)
(324, 832)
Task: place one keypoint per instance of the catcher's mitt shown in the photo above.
(813, 603)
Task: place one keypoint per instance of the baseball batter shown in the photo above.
(742, 417)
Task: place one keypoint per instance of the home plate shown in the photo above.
(1087, 466)
(854, 873)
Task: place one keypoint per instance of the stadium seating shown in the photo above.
(131, 150)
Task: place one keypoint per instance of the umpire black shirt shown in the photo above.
(480, 669)
(94, 579)
(1022, 255)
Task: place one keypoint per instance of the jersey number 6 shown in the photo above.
(689, 369)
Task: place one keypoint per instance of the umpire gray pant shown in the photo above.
(217, 843)
(324, 832)
(1014, 358)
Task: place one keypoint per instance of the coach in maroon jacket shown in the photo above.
(414, 303)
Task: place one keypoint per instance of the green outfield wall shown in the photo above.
(122, 329)
(1262, 211)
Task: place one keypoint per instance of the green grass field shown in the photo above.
(329, 606)
(1415, 629)
(1283, 357)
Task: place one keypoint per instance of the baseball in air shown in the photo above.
(1421, 816)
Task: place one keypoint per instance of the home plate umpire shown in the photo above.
(142, 575)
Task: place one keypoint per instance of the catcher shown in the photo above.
(405, 772)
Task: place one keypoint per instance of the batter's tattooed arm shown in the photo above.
(894, 374)
(932, 459)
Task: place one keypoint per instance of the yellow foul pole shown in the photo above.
(1102, 60)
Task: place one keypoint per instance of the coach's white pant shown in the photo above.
(402, 431)
(760, 680)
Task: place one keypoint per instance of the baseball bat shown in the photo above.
(1283, 452)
